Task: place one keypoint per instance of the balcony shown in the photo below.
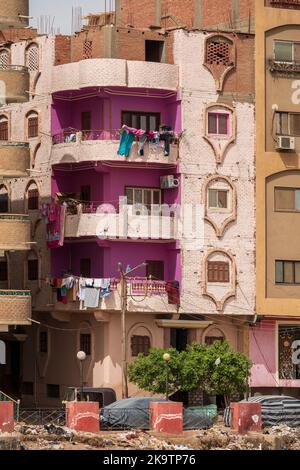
(77, 147)
(14, 159)
(284, 69)
(15, 232)
(16, 84)
(292, 4)
(144, 296)
(114, 73)
(14, 14)
(122, 226)
(15, 307)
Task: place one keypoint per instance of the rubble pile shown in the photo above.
(51, 437)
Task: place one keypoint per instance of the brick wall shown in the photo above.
(62, 50)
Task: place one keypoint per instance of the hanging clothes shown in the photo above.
(92, 297)
(126, 143)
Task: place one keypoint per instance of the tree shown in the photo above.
(223, 371)
(218, 369)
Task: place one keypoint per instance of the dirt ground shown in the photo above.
(217, 438)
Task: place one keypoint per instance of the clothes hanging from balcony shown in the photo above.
(92, 297)
(167, 136)
(56, 225)
(172, 289)
(141, 144)
(126, 143)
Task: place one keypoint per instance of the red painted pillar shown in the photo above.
(166, 417)
(83, 416)
(7, 421)
(245, 417)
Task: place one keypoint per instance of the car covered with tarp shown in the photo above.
(275, 409)
(134, 413)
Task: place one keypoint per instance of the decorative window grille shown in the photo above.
(87, 49)
(4, 58)
(32, 57)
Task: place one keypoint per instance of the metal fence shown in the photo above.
(41, 417)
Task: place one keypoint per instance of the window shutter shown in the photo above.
(4, 130)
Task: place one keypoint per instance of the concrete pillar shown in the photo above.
(245, 417)
(83, 416)
(7, 421)
(158, 13)
(166, 417)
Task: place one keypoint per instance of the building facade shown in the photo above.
(273, 341)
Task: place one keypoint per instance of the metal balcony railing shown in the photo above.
(293, 4)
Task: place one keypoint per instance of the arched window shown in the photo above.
(32, 57)
(4, 58)
(32, 197)
(140, 344)
(4, 199)
(32, 124)
(3, 128)
(2, 353)
(32, 267)
(213, 336)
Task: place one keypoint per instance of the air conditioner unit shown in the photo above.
(285, 143)
(169, 182)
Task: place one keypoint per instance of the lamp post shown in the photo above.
(81, 356)
(167, 358)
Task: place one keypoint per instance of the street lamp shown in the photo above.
(81, 356)
(167, 358)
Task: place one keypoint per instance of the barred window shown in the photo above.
(4, 58)
(3, 128)
(33, 199)
(218, 51)
(86, 344)
(32, 57)
(33, 126)
(140, 344)
(218, 271)
(43, 341)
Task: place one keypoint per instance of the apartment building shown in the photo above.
(183, 73)
(274, 338)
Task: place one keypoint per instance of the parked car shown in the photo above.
(105, 396)
(134, 413)
(276, 410)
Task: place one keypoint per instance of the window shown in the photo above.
(88, 49)
(145, 196)
(53, 391)
(85, 267)
(33, 270)
(287, 199)
(33, 126)
(86, 343)
(218, 51)
(3, 270)
(287, 272)
(287, 335)
(3, 128)
(218, 123)
(155, 270)
(32, 57)
(140, 344)
(217, 199)
(154, 51)
(209, 340)
(286, 51)
(43, 342)
(33, 199)
(288, 123)
(27, 388)
(4, 200)
(217, 271)
(141, 120)
(4, 58)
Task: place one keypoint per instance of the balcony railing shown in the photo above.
(293, 4)
(70, 136)
(14, 68)
(284, 68)
(15, 307)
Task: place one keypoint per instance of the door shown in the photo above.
(86, 121)
(156, 270)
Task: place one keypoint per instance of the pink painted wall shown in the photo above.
(68, 113)
(108, 184)
(106, 256)
(263, 350)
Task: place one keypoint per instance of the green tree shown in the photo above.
(217, 369)
(223, 370)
